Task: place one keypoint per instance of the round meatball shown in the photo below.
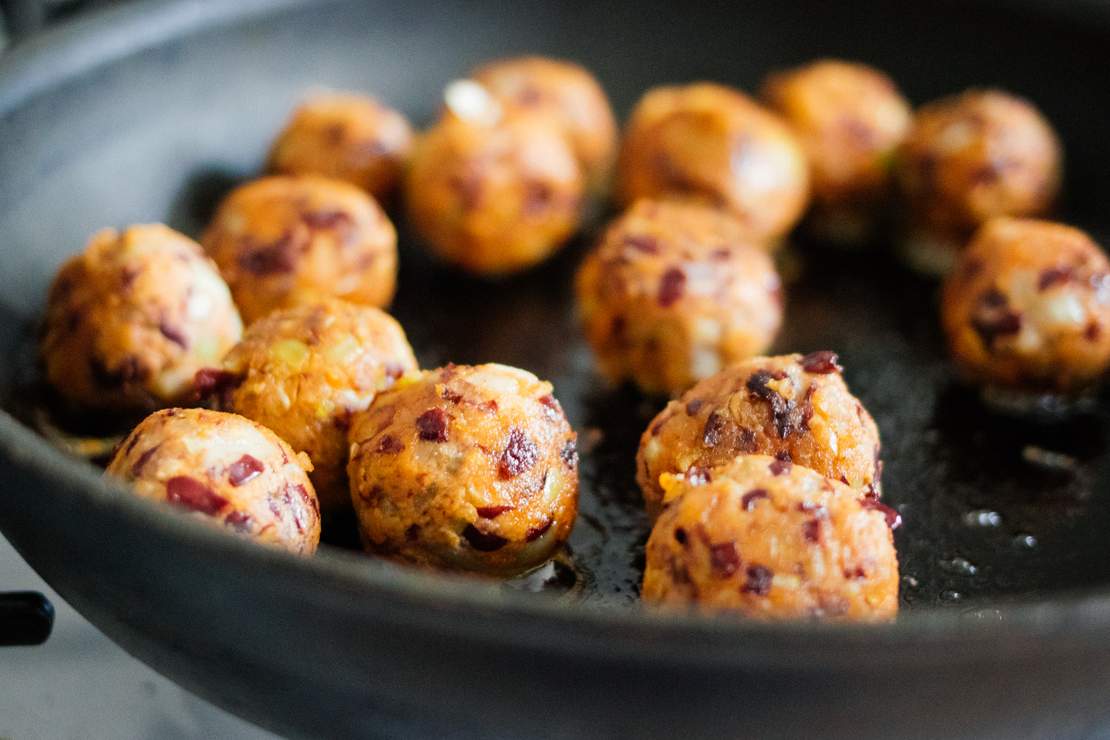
(674, 292)
(796, 408)
(347, 137)
(491, 193)
(773, 541)
(304, 372)
(287, 241)
(969, 158)
(132, 318)
(713, 142)
(469, 468)
(850, 118)
(565, 92)
(227, 470)
(1028, 307)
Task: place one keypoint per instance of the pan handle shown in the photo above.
(26, 618)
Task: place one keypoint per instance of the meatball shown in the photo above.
(469, 468)
(304, 372)
(674, 292)
(850, 118)
(968, 158)
(793, 407)
(227, 470)
(347, 137)
(286, 241)
(132, 318)
(713, 142)
(1027, 307)
(565, 92)
(773, 541)
(493, 193)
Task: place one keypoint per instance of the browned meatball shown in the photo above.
(132, 318)
(348, 137)
(469, 468)
(493, 193)
(225, 469)
(566, 92)
(793, 407)
(713, 142)
(773, 541)
(304, 372)
(1027, 307)
(288, 241)
(675, 292)
(969, 158)
(850, 118)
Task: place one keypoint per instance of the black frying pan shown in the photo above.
(153, 111)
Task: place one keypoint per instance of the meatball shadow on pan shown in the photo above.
(196, 201)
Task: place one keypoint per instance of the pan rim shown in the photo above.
(1061, 624)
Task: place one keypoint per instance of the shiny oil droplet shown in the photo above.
(1025, 542)
(949, 596)
(959, 566)
(983, 518)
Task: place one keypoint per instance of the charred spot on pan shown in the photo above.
(672, 286)
(191, 493)
(246, 468)
(432, 425)
(724, 559)
(519, 456)
(759, 580)
(823, 362)
(481, 541)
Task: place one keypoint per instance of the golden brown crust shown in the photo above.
(468, 468)
(286, 241)
(710, 141)
(225, 469)
(674, 292)
(494, 197)
(850, 118)
(347, 137)
(305, 371)
(974, 156)
(1028, 307)
(565, 92)
(791, 406)
(132, 318)
(772, 541)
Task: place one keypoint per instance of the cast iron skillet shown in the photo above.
(152, 112)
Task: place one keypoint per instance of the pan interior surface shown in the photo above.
(995, 508)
